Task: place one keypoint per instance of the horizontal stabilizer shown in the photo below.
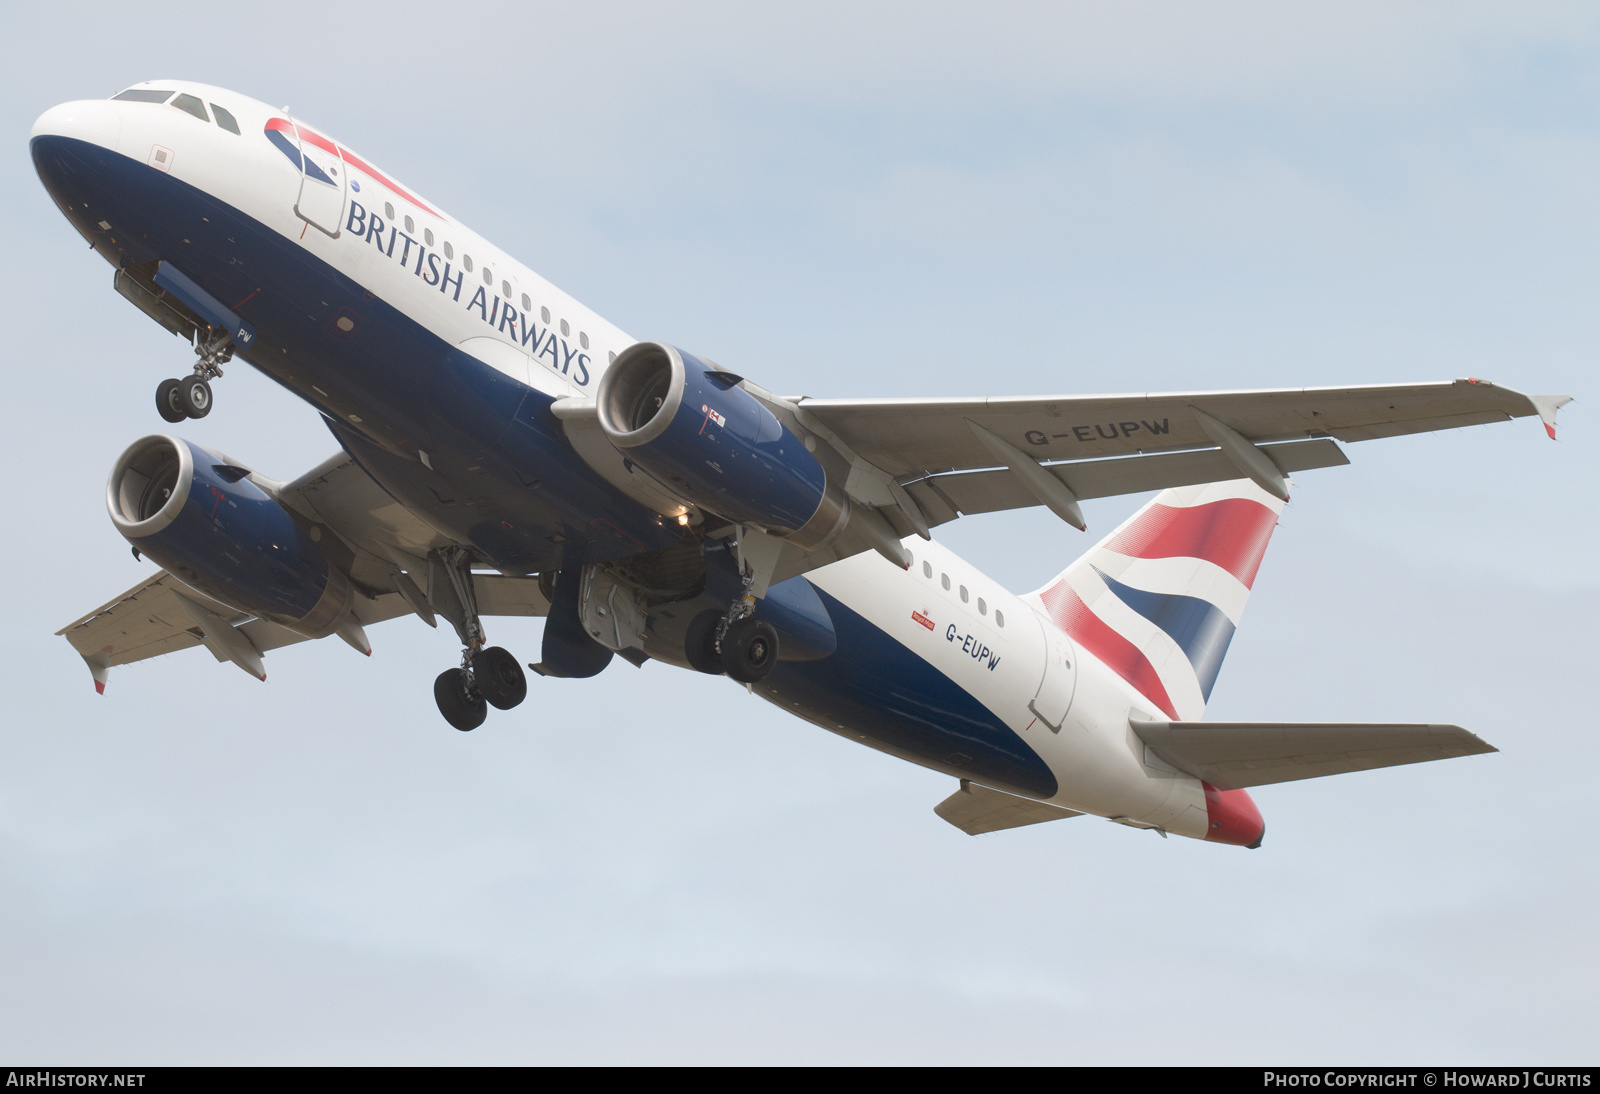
(977, 809)
(1236, 755)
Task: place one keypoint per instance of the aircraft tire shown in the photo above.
(461, 706)
(167, 402)
(700, 643)
(750, 650)
(194, 396)
(499, 677)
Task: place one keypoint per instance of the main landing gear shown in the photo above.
(487, 677)
(734, 642)
(749, 649)
(191, 396)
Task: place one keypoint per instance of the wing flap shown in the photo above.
(973, 492)
(1238, 755)
(977, 809)
(146, 621)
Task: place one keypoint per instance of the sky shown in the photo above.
(848, 200)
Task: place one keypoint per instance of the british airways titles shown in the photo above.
(542, 344)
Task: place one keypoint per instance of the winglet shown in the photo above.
(100, 671)
(1547, 405)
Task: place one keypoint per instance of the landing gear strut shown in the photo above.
(191, 397)
(487, 677)
(744, 647)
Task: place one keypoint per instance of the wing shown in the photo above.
(909, 465)
(1235, 755)
(914, 437)
(918, 463)
(388, 549)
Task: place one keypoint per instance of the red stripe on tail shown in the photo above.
(1091, 632)
(1231, 533)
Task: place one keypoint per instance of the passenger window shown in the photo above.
(191, 105)
(583, 340)
(527, 305)
(450, 252)
(611, 358)
(999, 618)
(544, 314)
(944, 579)
(427, 236)
(565, 330)
(927, 569)
(388, 212)
(143, 95)
(983, 609)
(411, 225)
(225, 119)
(488, 276)
(963, 594)
(466, 260)
(505, 289)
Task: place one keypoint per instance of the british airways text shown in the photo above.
(559, 356)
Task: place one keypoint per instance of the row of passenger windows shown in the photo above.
(966, 597)
(488, 276)
(187, 103)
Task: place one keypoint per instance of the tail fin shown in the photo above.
(1158, 599)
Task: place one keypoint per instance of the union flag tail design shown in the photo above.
(1158, 599)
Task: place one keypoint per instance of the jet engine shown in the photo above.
(202, 519)
(692, 428)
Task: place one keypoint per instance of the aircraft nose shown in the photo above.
(92, 120)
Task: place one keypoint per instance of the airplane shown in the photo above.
(505, 451)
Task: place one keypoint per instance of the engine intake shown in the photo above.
(692, 428)
(202, 520)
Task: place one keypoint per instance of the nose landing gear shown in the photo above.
(191, 396)
(186, 398)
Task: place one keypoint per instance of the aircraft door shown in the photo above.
(323, 184)
(1060, 677)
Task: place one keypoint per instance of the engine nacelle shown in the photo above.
(204, 522)
(694, 430)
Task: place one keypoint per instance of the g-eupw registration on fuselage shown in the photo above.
(506, 451)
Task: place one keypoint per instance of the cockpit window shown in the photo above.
(225, 119)
(191, 105)
(142, 95)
